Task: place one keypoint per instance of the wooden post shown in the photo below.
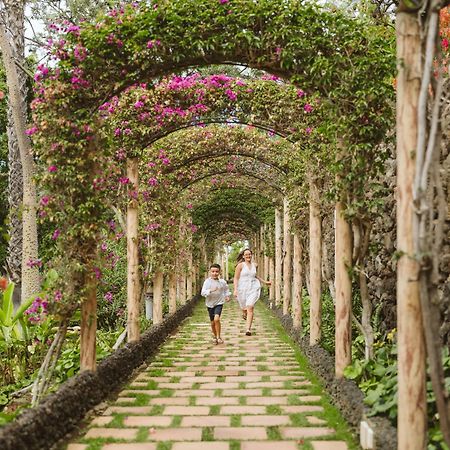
(315, 265)
(287, 261)
(189, 277)
(158, 283)
(172, 292)
(272, 279)
(89, 327)
(266, 258)
(133, 297)
(298, 284)
(182, 288)
(412, 418)
(343, 260)
(278, 256)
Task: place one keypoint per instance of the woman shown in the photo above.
(247, 286)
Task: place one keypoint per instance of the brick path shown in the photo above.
(250, 393)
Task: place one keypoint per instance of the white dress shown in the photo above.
(249, 287)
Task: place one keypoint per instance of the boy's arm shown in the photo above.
(206, 290)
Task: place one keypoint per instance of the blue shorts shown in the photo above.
(215, 310)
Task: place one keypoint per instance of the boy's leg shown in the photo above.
(213, 328)
(216, 321)
(211, 318)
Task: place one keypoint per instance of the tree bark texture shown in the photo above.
(411, 422)
(278, 256)
(343, 256)
(89, 327)
(297, 284)
(287, 261)
(133, 299)
(315, 265)
(158, 285)
(172, 292)
(17, 104)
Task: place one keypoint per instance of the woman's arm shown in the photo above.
(237, 275)
(267, 283)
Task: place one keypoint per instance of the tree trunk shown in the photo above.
(278, 256)
(266, 258)
(89, 327)
(158, 284)
(411, 347)
(287, 262)
(343, 319)
(30, 273)
(189, 276)
(315, 265)
(172, 292)
(298, 284)
(272, 279)
(133, 299)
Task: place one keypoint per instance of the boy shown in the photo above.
(216, 292)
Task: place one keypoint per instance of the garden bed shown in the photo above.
(60, 413)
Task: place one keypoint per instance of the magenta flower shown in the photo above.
(56, 234)
(52, 169)
(124, 180)
(307, 108)
(45, 200)
(117, 132)
(300, 93)
(31, 131)
(139, 104)
(108, 297)
(223, 2)
(153, 181)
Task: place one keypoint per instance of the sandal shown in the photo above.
(215, 341)
(248, 333)
(219, 340)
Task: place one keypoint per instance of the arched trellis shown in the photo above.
(289, 53)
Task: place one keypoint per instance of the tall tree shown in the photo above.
(23, 247)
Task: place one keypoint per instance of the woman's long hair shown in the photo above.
(240, 256)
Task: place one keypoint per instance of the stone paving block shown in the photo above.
(328, 445)
(206, 421)
(298, 392)
(242, 378)
(128, 410)
(147, 421)
(293, 409)
(243, 409)
(240, 433)
(269, 445)
(175, 434)
(313, 420)
(125, 400)
(265, 384)
(310, 398)
(102, 421)
(194, 393)
(175, 385)
(77, 447)
(220, 373)
(242, 392)
(201, 446)
(197, 379)
(267, 401)
(186, 410)
(265, 421)
(136, 446)
(113, 433)
(169, 401)
(129, 392)
(286, 378)
(304, 432)
(217, 401)
(220, 385)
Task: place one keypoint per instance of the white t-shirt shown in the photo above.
(218, 296)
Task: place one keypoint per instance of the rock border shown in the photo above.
(345, 394)
(59, 414)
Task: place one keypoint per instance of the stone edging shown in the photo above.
(346, 395)
(60, 413)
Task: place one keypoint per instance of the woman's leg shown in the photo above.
(249, 317)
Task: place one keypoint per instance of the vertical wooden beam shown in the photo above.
(182, 288)
(158, 283)
(172, 292)
(315, 264)
(287, 261)
(411, 421)
(88, 327)
(266, 258)
(272, 279)
(278, 255)
(343, 261)
(133, 297)
(189, 276)
(298, 284)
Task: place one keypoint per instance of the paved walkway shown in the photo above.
(250, 393)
